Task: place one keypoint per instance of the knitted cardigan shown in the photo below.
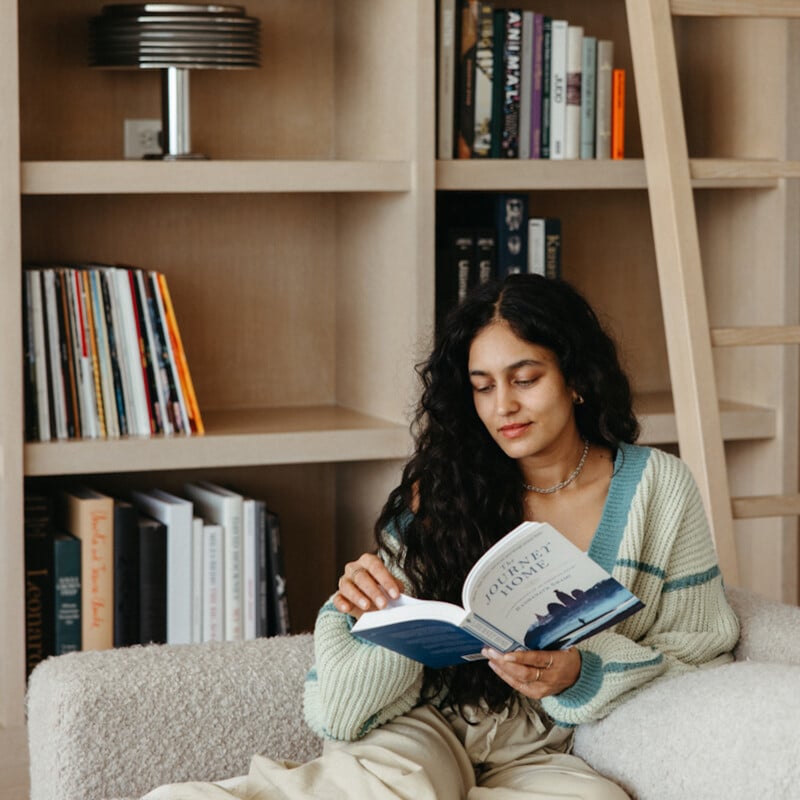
(653, 537)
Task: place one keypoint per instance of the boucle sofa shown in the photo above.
(117, 723)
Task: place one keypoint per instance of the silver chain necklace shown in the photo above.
(567, 481)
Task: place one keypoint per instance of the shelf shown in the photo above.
(205, 177)
(735, 8)
(246, 437)
(543, 174)
(740, 421)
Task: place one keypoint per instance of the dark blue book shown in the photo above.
(126, 574)
(66, 593)
(532, 590)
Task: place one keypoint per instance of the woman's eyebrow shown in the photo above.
(526, 362)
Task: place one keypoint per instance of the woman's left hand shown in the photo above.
(536, 673)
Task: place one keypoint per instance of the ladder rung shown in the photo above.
(772, 505)
(755, 335)
(735, 8)
(753, 169)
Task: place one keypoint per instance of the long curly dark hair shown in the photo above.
(465, 492)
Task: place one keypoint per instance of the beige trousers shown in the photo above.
(423, 756)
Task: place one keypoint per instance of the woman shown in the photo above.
(525, 414)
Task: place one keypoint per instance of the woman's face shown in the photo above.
(520, 393)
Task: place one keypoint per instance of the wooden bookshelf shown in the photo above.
(301, 258)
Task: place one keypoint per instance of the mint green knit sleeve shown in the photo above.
(355, 685)
(668, 559)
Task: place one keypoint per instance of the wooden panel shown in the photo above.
(776, 505)
(753, 336)
(737, 8)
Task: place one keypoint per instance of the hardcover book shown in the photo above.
(533, 590)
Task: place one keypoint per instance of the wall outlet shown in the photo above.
(142, 137)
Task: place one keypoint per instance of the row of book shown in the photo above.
(515, 83)
(103, 355)
(102, 571)
(483, 236)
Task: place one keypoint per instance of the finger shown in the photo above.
(372, 565)
(366, 583)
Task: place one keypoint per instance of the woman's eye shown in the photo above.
(482, 389)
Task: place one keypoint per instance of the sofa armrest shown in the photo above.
(120, 722)
(769, 629)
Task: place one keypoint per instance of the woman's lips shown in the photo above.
(515, 430)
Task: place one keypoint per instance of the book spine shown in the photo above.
(249, 569)
(127, 599)
(280, 601)
(38, 581)
(526, 85)
(152, 581)
(117, 366)
(588, 95)
(484, 82)
(142, 357)
(87, 397)
(91, 338)
(213, 570)
(67, 594)
(498, 68)
(466, 77)
(512, 63)
(547, 64)
(536, 88)
(180, 356)
(40, 355)
(511, 224)
(262, 550)
(67, 364)
(446, 78)
(109, 398)
(552, 247)
(618, 114)
(197, 579)
(572, 124)
(536, 259)
(558, 88)
(31, 401)
(605, 66)
(54, 354)
(486, 254)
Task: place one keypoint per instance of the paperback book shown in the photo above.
(533, 590)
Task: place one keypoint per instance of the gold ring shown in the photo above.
(549, 663)
(538, 675)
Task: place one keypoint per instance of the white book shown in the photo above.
(177, 514)
(109, 282)
(54, 353)
(536, 247)
(103, 356)
(130, 338)
(197, 579)
(588, 95)
(446, 78)
(526, 85)
(226, 508)
(213, 577)
(558, 88)
(250, 566)
(572, 122)
(605, 67)
(36, 316)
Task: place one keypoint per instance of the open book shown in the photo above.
(532, 590)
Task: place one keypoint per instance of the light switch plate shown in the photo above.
(142, 137)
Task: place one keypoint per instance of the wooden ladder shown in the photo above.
(688, 335)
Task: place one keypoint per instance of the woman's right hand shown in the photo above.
(365, 586)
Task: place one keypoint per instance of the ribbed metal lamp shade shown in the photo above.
(174, 38)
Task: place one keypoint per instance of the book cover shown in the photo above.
(532, 590)
(446, 81)
(66, 593)
(605, 66)
(279, 601)
(618, 114)
(89, 515)
(126, 574)
(484, 82)
(572, 119)
(511, 224)
(153, 581)
(221, 506)
(588, 96)
(525, 85)
(558, 88)
(467, 43)
(176, 514)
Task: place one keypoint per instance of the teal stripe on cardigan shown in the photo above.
(588, 683)
(641, 566)
(629, 465)
(691, 580)
(619, 666)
